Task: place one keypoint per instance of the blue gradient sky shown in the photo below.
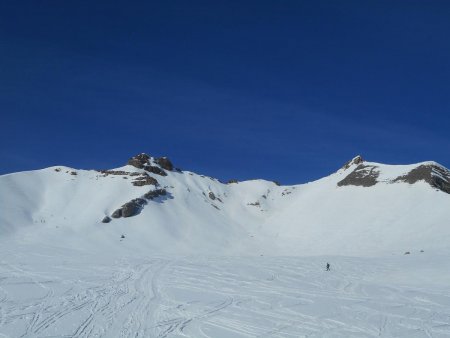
(284, 90)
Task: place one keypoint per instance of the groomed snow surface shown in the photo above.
(54, 292)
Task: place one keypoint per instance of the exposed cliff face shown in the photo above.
(164, 163)
(363, 175)
(435, 175)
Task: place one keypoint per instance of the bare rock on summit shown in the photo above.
(233, 180)
(143, 161)
(366, 175)
(164, 163)
(356, 160)
(363, 176)
(139, 161)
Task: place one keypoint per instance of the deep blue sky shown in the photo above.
(285, 90)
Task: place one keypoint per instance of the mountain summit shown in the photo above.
(367, 174)
(354, 161)
(375, 207)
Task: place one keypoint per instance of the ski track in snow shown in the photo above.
(57, 296)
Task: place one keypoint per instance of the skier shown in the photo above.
(328, 266)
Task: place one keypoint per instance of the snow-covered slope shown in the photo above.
(200, 258)
(363, 208)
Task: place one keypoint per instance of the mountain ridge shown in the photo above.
(166, 209)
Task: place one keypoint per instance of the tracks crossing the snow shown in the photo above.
(215, 297)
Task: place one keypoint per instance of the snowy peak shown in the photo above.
(153, 165)
(354, 161)
(146, 166)
(367, 174)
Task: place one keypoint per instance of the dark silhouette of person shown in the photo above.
(328, 266)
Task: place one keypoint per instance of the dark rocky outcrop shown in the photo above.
(233, 180)
(436, 176)
(144, 180)
(164, 163)
(211, 195)
(155, 170)
(367, 175)
(362, 176)
(118, 172)
(114, 172)
(356, 160)
(135, 206)
(129, 209)
(136, 163)
(283, 193)
(139, 161)
(155, 193)
(117, 213)
(143, 161)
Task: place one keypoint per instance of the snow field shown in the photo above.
(51, 292)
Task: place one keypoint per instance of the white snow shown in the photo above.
(54, 292)
(249, 263)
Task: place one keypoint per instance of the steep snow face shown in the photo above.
(364, 208)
